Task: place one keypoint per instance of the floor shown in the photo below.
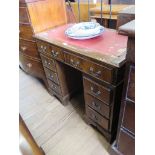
(27, 145)
(57, 129)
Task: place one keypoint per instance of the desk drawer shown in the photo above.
(56, 53)
(28, 48)
(33, 67)
(43, 47)
(23, 15)
(54, 87)
(103, 122)
(131, 84)
(26, 32)
(49, 63)
(74, 61)
(97, 105)
(98, 91)
(97, 71)
(51, 75)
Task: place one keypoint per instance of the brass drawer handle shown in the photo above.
(96, 105)
(75, 64)
(95, 117)
(42, 48)
(29, 65)
(51, 76)
(95, 93)
(45, 62)
(96, 74)
(23, 48)
(54, 53)
(54, 87)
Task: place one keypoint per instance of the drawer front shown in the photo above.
(97, 71)
(43, 47)
(23, 15)
(51, 75)
(55, 94)
(30, 66)
(97, 118)
(126, 143)
(97, 105)
(131, 84)
(74, 61)
(49, 63)
(26, 32)
(98, 91)
(56, 53)
(28, 48)
(54, 87)
(50, 50)
(129, 116)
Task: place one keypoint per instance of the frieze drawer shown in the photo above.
(43, 47)
(103, 122)
(97, 105)
(51, 75)
(49, 63)
(74, 61)
(102, 93)
(56, 53)
(98, 71)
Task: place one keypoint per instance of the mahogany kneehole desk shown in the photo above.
(97, 65)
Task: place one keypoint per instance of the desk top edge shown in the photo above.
(112, 60)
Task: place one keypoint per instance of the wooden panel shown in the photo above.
(26, 32)
(97, 118)
(29, 1)
(106, 9)
(97, 105)
(54, 87)
(98, 91)
(22, 1)
(129, 117)
(126, 143)
(51, 75)
(23, 15)
(49, 63)
(83, 10)
(131, 84)
(28, 48)
(47, 14)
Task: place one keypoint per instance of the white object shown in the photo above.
(84, 30)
